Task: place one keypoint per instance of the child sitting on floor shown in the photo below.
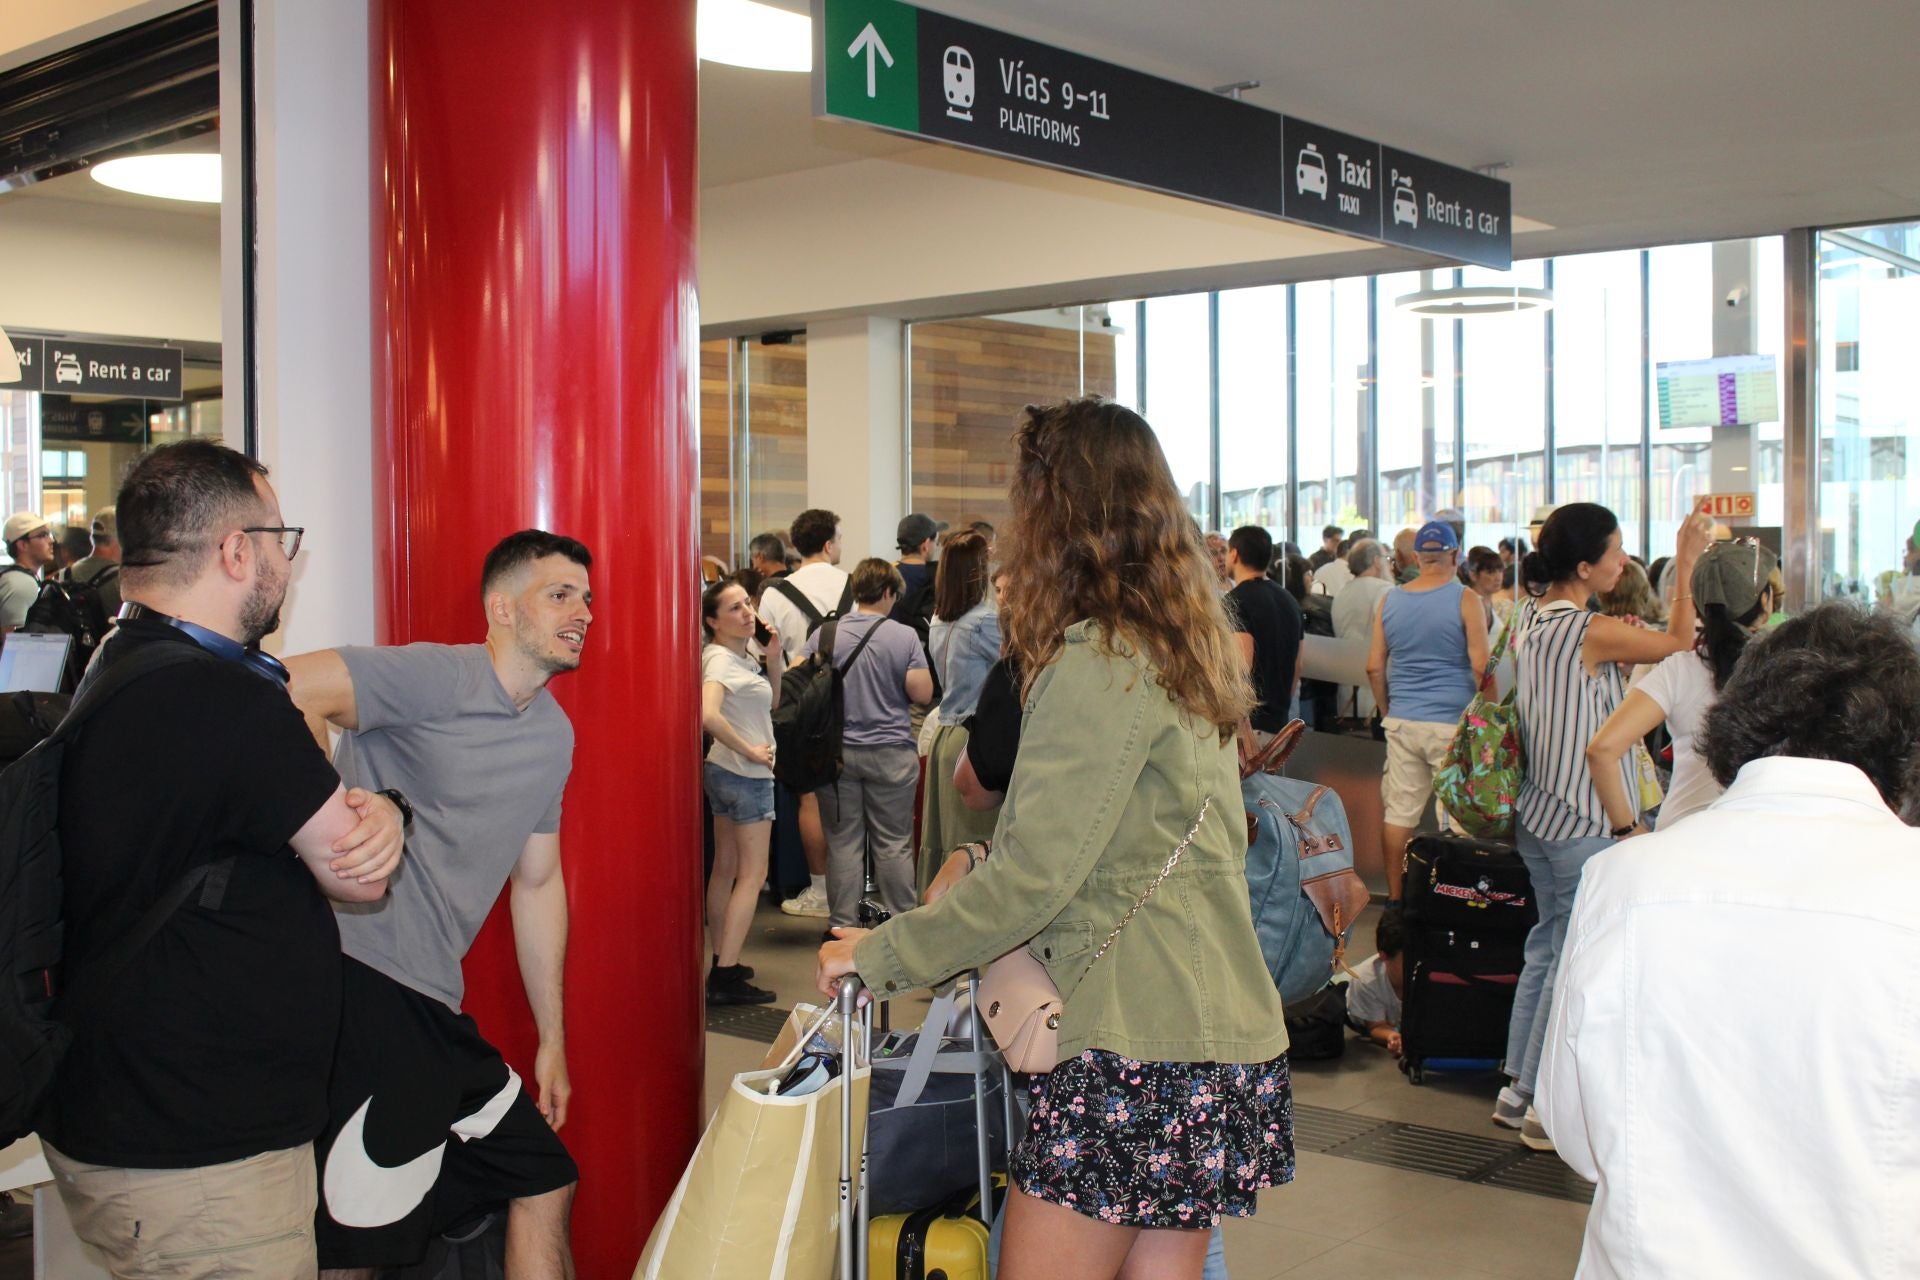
(1373, 996)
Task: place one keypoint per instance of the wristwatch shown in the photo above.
(400, 803)
(1620, 833)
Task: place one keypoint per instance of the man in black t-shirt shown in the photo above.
(1330, 540)
(1269, 624)
(180, 1126)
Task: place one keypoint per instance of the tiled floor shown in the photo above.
(1341, 1219)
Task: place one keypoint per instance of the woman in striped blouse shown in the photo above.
(1567, 687)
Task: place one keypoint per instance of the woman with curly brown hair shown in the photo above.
(1119, 860)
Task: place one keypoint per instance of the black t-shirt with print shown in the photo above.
(216, 1040)
(1264, 610)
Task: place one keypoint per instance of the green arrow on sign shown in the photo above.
(871, 62)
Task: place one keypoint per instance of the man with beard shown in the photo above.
(195, 812)
(471, 734)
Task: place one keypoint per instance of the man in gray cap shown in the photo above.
(915, 540)
(101, 570)
(30, 544)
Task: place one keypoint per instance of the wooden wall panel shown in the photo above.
(971, 379)
(716, 436)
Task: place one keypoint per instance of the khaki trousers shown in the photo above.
(251, 1218)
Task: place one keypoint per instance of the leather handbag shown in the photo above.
(1020, 1000)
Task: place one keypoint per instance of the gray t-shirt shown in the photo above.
(18, 590)
(482, 778)
(877, 708)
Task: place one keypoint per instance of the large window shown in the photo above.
(1599, 401)
(1867, 391)
(1503, 372)
(1332, 388)
(1298, 406)
(1253, 410)
(753, 441)
(1416, 406)
(1179, 397)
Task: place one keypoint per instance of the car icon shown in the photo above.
(1405, 208)
(957, 76)
(1310, 173)
(66, 368)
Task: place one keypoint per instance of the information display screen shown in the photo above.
(1725, 391)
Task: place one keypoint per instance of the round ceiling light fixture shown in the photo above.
(1452, 303)
(744, 33)
(173, 175)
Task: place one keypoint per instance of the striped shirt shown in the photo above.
(1561, 709)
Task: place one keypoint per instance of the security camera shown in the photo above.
(1736, 295)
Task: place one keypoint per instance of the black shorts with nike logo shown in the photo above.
(428, 1128)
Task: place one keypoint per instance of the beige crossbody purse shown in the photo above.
(1021, 1002)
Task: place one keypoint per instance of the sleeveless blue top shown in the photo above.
(1428, 674)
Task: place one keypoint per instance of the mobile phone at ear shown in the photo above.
(760, 632)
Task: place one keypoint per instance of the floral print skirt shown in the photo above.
(1157, 1144)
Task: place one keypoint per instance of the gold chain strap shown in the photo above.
(1172, 861)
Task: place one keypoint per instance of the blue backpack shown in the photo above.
(1300, 877)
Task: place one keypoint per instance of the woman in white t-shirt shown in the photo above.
(1733, 597)
(736, 710)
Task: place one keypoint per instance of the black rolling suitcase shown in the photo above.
(1468, 908)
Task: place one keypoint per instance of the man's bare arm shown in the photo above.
(360, 875)
(539, 905)
(322, 688)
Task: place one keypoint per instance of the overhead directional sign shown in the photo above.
(914, 71)
(96, 369)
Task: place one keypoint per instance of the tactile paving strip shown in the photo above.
(748, 1021)
(1465, 1157)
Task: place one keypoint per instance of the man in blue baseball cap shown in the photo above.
(1429, 646)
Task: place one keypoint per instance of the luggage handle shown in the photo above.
(1273, 757)
(853, 1248)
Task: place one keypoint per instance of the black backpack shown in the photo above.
(811, 719)
(35, 1030)
(814, 617)
(71, 608)
(916, 610)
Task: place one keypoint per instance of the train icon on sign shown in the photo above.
(956, 74)
(1310, 173)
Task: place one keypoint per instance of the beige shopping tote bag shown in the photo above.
(760, 1199)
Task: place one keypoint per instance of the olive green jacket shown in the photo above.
(1110, 777)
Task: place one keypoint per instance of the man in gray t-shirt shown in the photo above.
(472, 739)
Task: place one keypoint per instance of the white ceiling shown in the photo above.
(1628, 123)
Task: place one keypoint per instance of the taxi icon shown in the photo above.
(1310, 173)
(1405, 208)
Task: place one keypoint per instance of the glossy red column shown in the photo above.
(535, 323)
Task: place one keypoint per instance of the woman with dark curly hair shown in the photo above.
(1170, 1104)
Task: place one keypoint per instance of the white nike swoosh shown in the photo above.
(361, 1192)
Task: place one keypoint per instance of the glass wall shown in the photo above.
(1867, 394)
(1298, 406)
(753, 441)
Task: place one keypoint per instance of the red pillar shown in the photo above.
(535, 325)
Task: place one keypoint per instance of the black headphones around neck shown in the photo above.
(264, 665)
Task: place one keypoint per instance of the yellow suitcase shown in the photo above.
(946, 1242)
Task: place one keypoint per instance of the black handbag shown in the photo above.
(923, 1138)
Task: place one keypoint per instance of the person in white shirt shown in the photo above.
(1734, 1053)
(1733, 599)
(1371, 572)
(1379, 984)
(826, 590)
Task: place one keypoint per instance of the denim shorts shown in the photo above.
(738, 799)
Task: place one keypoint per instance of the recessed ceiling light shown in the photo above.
(171, 176)
(744, 33)
(1474, 300)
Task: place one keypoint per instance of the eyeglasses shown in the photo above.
(291, 548)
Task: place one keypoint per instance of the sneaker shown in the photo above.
(808, 902)
(724, 987)
(1533, 1133)
(1510, 1108)
(744, 970)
